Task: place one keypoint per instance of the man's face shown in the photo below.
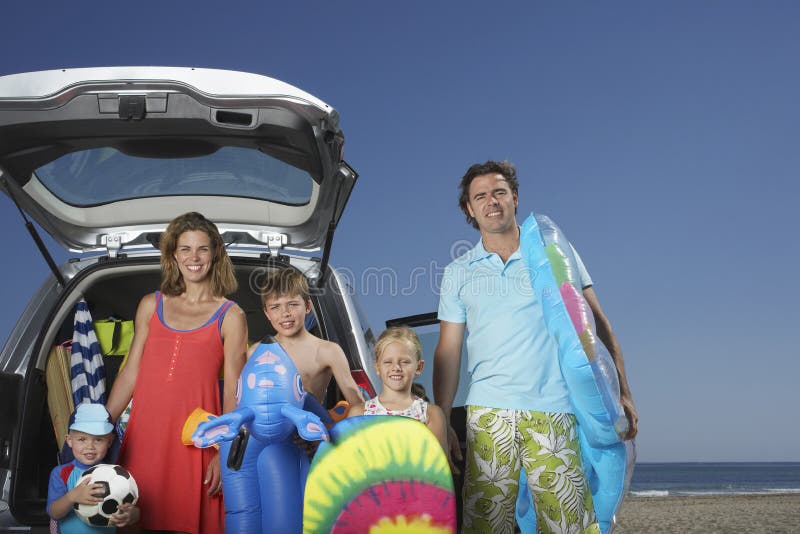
(492, 203)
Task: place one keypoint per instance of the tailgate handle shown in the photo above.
(132, 107)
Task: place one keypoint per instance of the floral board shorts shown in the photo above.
(500, 442)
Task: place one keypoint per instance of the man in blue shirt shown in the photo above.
(518, 410)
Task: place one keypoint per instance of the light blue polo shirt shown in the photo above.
(512, 361)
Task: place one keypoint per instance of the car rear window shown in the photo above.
(102, 175)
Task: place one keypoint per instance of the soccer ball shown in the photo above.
(119, 488)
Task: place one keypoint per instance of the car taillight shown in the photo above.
(362, 381)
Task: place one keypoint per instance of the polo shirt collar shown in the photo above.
(479, 252)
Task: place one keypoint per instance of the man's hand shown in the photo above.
(632, 415)
(213, 476)
(453, 449)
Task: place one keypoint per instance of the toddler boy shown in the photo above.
(89, 437)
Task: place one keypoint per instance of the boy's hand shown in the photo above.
(308, 447)
(85, 493)
(126, 514)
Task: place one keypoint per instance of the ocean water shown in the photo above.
(700, 478)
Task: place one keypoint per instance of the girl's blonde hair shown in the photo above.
(399, 334)
(223, 280)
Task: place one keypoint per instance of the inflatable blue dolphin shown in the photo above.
(265, 476)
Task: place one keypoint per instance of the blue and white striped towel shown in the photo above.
(87, 370)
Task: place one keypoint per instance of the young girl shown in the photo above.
(184, 334)
(398, 360)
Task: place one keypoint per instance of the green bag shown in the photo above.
(114, 336)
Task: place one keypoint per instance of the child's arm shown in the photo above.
(333, 357)
(355, 410)
(436, 424)
(83, 493)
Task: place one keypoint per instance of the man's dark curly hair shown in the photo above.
(505, 168)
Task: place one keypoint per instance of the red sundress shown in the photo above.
(179, 372)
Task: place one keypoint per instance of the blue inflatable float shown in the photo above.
(588, 370)
(265, 474)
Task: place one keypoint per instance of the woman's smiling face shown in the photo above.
(194, 255)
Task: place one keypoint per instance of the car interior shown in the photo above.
(116, 293)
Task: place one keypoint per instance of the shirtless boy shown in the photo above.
(287, 301)
(266, 492)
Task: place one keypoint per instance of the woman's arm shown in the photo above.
(234, 346)
(122, 391)
(234, 341)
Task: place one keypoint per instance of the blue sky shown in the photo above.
(662, 137)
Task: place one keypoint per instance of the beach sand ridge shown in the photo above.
(773, 514)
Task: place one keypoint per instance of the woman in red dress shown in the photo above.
(184, 335)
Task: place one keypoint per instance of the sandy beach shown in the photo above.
(778, 513)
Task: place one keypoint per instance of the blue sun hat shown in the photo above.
(92, 419)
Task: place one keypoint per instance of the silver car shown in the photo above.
(102, 159)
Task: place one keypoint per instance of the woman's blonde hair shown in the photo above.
(222, 278)
(399, 334)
